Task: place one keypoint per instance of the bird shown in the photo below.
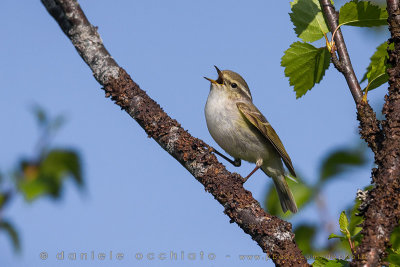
(243, 132)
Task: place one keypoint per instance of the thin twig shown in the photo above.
(272, 234)
(351, 244)
(370, 129)
(338, 65)
(348, 72)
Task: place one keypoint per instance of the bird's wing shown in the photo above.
(254, 116)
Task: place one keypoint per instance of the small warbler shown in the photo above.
(243, 132)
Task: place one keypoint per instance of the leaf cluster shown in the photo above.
(42, 174)
(305, 65)
(36, 179)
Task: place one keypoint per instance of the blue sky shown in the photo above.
(137, 198)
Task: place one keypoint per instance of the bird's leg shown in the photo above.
(258, 165)
(236, 162)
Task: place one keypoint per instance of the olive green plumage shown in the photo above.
(243, 132)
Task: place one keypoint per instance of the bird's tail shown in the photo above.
(285, 195)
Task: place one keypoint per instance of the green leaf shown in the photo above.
(377, 69)
(395, 238)
(46, 177)
(36, 188)
(343, 223)
(304, 236)
(12, 233)
(271, 201)
(63, 162)
(393, 258)
(377, 81)
(308, 20)
(302, 193)
(331, 236)
(4, 198)
(339, 161)
(355, 221)
(362, 14)
(305, 66)
(322, 262)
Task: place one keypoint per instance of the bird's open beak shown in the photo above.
(219, 80)
(211, 80)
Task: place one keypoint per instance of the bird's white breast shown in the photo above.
(228, 128)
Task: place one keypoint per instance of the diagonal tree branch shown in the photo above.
(272, 234)
(382, 209)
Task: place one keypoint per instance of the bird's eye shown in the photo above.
(234, 85)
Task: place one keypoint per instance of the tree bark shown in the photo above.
(381, 209)
(273, 235)
(383, 212)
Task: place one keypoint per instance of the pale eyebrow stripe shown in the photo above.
(240, 85)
